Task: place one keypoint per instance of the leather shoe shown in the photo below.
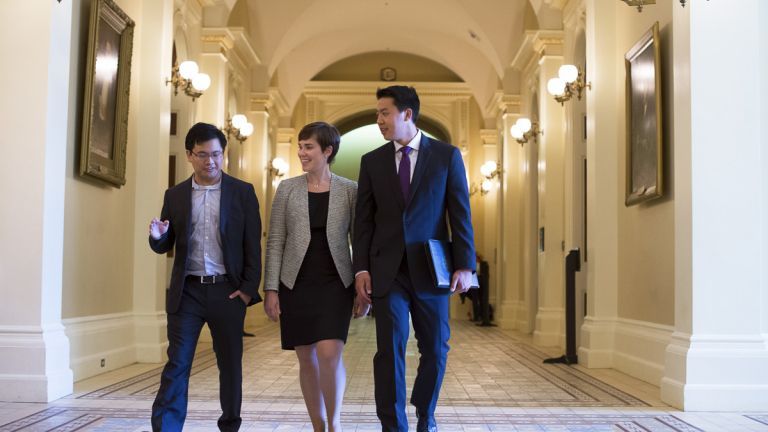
(426, 424)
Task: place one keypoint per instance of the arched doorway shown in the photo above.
(360, 134)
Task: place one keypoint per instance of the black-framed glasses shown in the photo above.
(203, 156)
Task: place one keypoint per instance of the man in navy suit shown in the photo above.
(213, 220)
(410, 190)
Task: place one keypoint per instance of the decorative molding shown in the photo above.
(550, 326)
(286, 135)
(716, 372)
(537, 43)
(110, 338)
(501, 104)
(260, 102)
(35, 366)
(217, 41)
(279, 101)
(639, 349)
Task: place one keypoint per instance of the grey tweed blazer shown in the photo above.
(289, 231)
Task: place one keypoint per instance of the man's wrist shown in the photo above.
(361, 272)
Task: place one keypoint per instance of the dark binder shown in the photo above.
(441, 264)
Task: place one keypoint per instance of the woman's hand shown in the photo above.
(272, 305)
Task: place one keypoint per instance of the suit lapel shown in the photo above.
(225, 203)
(421, 164)
(394, 180)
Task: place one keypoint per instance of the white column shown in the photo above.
(512, 308)
(550, 317)
(148, 148)
(603, 185)
(491, 216)
(718, 356)
(212, 105)
(254, 166)
(34, 351)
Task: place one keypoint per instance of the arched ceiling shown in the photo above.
(296, 39)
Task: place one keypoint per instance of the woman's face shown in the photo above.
(312, 156)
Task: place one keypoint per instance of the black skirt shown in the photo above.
(319, 306)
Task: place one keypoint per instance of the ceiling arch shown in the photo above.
(477, 41)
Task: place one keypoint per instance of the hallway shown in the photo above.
(495, 382)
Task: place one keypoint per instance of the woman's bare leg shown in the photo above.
(332, 377)
(309, 378)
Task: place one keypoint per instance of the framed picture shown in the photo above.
(643, 105)
(107, 82)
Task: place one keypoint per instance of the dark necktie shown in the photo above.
(404, 171)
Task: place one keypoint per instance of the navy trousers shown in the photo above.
(200, 304)
(429, 313)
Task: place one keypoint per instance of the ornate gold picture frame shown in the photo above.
(107, 82)
(644, 120)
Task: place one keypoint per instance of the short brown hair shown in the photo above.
(326, 135)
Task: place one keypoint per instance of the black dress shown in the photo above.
(319, 306)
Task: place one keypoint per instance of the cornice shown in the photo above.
(217, 40)
(285, 135)
(243, 45)
(489, 136)
(367, 88)
(278, 101)
(537, 43)
(260, 101)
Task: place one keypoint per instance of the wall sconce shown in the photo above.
(524, 129)
(239, 127)
(187, 76)
(570, 81)
(490, 170)
(278, 168)
(640, 3)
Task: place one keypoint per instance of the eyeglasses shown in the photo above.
(203, 156)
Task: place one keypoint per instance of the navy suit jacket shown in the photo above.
(240, 227)
(388, 225)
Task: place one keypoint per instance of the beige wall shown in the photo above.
(646, 231)
(98, 219)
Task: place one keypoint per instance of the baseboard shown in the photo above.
(151, 337)
(509, 316)
(639, 349)
(716, 372)
(35, 363)
(101, 343)
(636, 348)
(550, 327)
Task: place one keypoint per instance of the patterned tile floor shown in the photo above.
(495, 382)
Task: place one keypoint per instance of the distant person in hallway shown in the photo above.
(411, 189)
(213, 220)
(308, 272)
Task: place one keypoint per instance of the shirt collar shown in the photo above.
(196, 186)
(414, 144)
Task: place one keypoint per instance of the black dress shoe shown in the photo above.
(426, 424)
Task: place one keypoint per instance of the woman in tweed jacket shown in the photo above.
(308, 275)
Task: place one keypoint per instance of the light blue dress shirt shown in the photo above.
(205, 251)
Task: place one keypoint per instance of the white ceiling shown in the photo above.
(477, 39)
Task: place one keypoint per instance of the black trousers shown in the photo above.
(429, 313)
(200, 304)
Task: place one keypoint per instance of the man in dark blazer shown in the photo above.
(213, 220)
(410, 190)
